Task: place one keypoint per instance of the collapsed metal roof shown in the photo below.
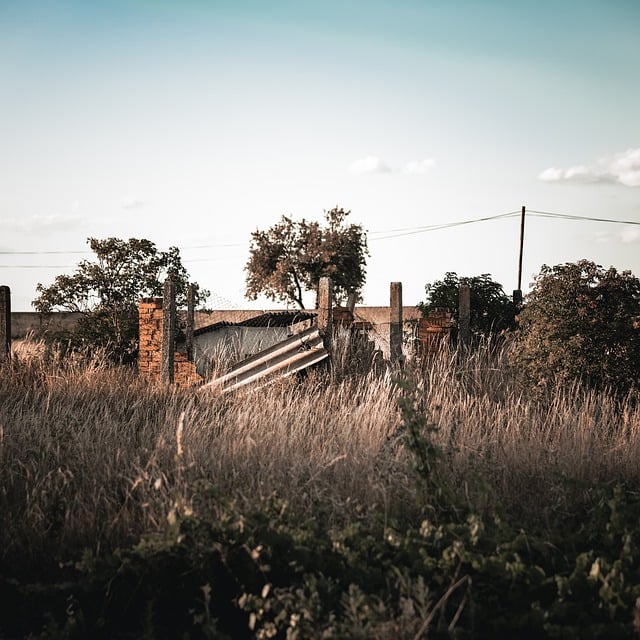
(268, 319)
(294, 354)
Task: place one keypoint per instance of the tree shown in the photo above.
(492, 311)
(291, 257)
(580, 322)
(106, 292)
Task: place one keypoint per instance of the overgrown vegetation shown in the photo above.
(106, 291)
(580, 322)
(289, 258)
(344, 505)
(492, 312)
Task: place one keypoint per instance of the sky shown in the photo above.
(194, 123)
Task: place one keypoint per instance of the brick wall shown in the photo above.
(150, 317)
(434, 331)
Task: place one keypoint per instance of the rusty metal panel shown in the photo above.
(293, 354)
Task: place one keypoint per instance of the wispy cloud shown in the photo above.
(621, 168)
(630, 235)
(625, 167)
(129, 202)
(41, 223)
(369, 164)
(374, 164)
(419, 167)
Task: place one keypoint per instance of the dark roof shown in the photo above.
(269, 319)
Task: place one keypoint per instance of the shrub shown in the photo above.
(580, 323)
(492, 311)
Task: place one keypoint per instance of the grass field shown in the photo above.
(93, 460)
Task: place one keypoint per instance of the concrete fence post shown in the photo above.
(5, 324)
(168, 331)
(191, 302)
(464, 316)
(395, 323)
(325, 311)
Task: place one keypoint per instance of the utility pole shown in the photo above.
(517, 294)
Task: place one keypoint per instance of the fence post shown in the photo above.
(5, 324)
(395, 323)
(325, 311)
(191, 300)
(464, 316)
(168, 331)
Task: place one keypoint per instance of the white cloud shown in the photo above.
(374, 164)
(575, 175)
(369, 164)
(51, 222)
(630, 235)
(604, 237)
(625, 167)
(419, 167)
(128, 202)
(622, 168)
(551, 175)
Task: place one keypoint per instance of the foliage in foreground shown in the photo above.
(163, 548)
(263, 575)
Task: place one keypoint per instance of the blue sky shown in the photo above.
(193, 123)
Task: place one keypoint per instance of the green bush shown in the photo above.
(492, 311)
(580, 323)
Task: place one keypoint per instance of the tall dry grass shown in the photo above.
(91, 456)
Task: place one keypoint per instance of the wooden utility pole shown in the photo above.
(168, 331)
(395, 323)
(5, 324)
(517, 294)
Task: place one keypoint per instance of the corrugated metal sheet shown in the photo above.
(268, 319)
(294, 354)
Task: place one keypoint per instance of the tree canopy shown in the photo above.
(580, 322)
(492, 311)
(290, 257)
(106, 292)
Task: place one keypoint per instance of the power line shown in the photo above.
(52, 253)
(37, 266)
(390, 234)
(568, 216)
(42, 253)
(436, 227)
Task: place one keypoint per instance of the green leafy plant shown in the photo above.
(580, 322)
(106, 292)
(492, 311)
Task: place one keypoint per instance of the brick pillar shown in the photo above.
(150, 318)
